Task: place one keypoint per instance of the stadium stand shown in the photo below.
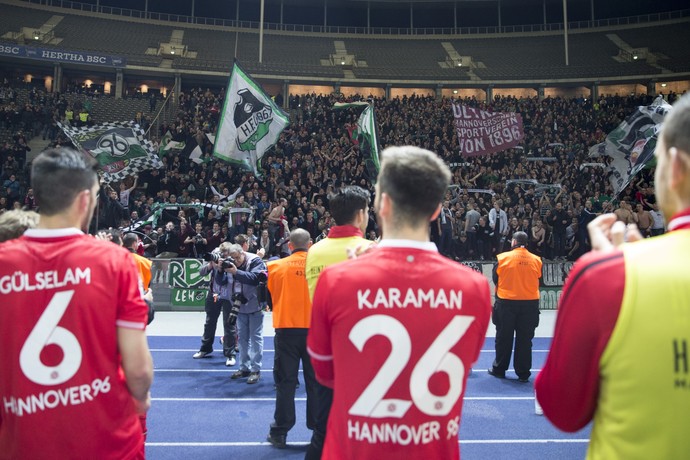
(111, 37)
(541, 57)
(499, 57)
(13, 18)
(669, 40)
(315, 155)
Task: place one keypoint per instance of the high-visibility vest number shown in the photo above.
(437, 358)
(47, 332)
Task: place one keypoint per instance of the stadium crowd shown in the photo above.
(545, 187)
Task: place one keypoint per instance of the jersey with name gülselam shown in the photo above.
(62, 300)
(403, 327)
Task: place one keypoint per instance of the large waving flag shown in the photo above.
(631, 145)
(119, 147)
(365, 135)
(250, 122)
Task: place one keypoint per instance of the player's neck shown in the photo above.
(391, 232)
(58, 221)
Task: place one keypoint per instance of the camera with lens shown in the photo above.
(227, 263)
(211, 257)
(198, 238)
(238, 299)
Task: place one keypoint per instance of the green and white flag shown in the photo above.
(631, 145)
(163, 146)
(250, 123)
(365, 135)
(120, 148)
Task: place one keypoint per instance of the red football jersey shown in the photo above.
(63, 295)
(395, 333)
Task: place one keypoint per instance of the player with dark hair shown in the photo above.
(396, 331)
(350, 210)
(72, 323)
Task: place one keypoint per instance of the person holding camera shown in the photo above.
(197, 242)
(247, 275)
(218, 300)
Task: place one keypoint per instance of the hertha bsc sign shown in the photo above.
(250, 123)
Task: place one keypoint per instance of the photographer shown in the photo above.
(248, 276)
(218, 300)
(196, 242)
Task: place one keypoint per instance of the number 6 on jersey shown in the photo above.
(47, 332)
(438, 358)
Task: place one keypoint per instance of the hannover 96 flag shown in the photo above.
(365, 135)
(631, 145)
(119, 147)
(250, 122)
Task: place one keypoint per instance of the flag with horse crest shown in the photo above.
(120, 148)
(250, 123)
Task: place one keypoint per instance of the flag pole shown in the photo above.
(261, 33)
(159, 113)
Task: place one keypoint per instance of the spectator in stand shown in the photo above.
(574, 244)
(624, 213)
(264, 242)
(558, 221)
(125, 193)
(471, 219)
(150, 242)
(658, 221)
(168, 242)
(197, 244)
(538, 238)
(12, 188)
(498, 222)
(304, 167)
(484, 238)
(445, 229)
(644, 220)
(186, 231)
(311, 225)
(275, 218)
(111, 211)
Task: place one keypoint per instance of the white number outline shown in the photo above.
(47, 332)
(437, 358)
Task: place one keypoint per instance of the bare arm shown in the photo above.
(134, 185)
(136, 364)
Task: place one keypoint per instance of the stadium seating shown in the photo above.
(110, 36)
(503, 57)
(670, 40)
